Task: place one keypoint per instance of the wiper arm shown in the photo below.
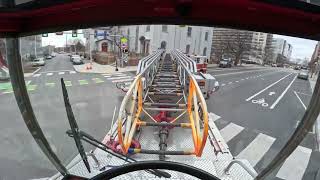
(74, 126)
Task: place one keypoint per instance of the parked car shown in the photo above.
(273, 65)
(53, 54)
(76, 60)
(297, 68)
(49, 57)
(38, 62)
(225, 62)
(303, 74)
(74, 56)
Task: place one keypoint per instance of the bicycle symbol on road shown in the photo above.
(260, 101)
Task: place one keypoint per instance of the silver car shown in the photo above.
(303, 74)
(38, 62)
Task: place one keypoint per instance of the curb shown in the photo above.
(316, 124)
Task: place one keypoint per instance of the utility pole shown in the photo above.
(35, 46)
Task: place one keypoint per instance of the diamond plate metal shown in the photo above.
(179, 139)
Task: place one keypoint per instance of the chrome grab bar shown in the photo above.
(250, 171)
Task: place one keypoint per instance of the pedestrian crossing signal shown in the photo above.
(45, 35)
(74, 33)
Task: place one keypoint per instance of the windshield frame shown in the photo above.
(25, 106)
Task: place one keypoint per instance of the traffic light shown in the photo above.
(45, 35)
(95, 34)
(74, 33)
(105, 34)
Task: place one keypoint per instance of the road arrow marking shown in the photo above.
(271, 93)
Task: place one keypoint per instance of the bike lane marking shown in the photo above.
(253, 96)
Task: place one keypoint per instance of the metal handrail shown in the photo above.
(249, 170)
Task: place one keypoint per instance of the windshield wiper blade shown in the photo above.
(74, 126)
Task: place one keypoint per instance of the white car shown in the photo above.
(76, 60)
(38, 62)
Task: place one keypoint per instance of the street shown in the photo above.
(256, 109)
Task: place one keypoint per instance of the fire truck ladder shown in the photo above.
(165, 96)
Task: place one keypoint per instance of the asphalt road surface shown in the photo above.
(257, 110)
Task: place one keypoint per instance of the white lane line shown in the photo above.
(295, 165)
(230, 131)
(240, 72)
(230, 83)
(304, 93)
(242, 79)
(107, 76)
(214, 116)
(122, 77)
(304, 106)
(49, 74)
(237, 81)
(256, 149)
(223, 84)
(267, 88)
(247, 78)
(283, 93)
(72, 72)
(36, 75)
(122, 80)
(60, 73)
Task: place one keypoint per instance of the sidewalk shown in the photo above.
(313, 82)
(100, 69)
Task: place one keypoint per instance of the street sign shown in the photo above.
(74, 33)
(59, 33)
(45, 35)
(123, 40)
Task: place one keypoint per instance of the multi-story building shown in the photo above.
(225, 41)
(282, 50)
(148, 38)
(258, 46)
(230, 42)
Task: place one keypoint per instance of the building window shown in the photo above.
(164, 28)
(204, 51)
(148, 28)
(206, 36)
(189, 31)
(188, 49)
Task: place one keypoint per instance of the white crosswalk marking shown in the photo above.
(213, 116)
(122, 77)
(107, 76)
(230, 131)
(256, 149)
(49, 74)
(60, 73)
(122, 80)
(36, 75)
(295, 165)
(72, 72)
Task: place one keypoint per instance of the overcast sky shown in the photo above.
(301, 48)
(59, 41)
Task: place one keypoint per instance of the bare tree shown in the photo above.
(267, 56)
(220, 50)
(239, 44)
